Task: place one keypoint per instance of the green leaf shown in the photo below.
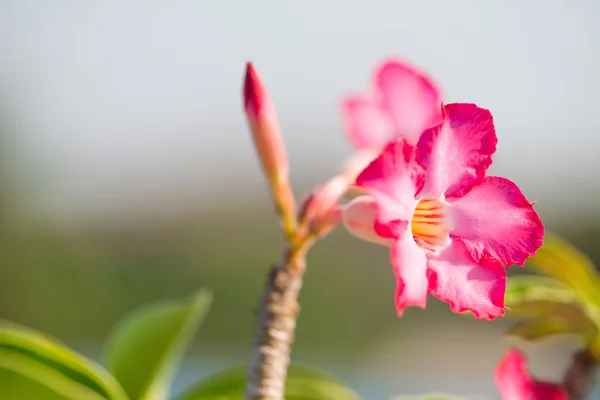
(23, 378)
(539, 328)
(561, 260)
(35, 366)
(549, 308)
(534, 295)
(303, 383)
(145, 349)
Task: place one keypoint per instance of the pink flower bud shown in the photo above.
(269, 145)
(266, 134)
(327, 221)
(324, 198)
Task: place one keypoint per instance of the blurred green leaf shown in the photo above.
(25, 378)
(535, 295)
(303, 383)
(539, 328)
(35, 366)
(145, 349)
(549, 308)
(561, 260)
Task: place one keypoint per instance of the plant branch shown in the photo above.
(276, 326)
(580, 376)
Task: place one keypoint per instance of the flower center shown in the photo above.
(428, 223)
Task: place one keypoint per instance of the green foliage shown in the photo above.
(559, 259)
(303, 383)
(565, 301)
(145, 349)
(549, 308)
(143, 354)
(34, 366)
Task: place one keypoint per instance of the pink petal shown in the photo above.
(456, 278)
(367, 125)
(457, 152)
(495, 219)
(512, 378)
(514, 382)
(393, 179)
(411, 98)
(410, 266)
(548, 391)
(359, 219)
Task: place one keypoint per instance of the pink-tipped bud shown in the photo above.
(269, 145)
(326, 197)
(262, 118)
(329, 220)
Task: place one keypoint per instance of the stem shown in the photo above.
(285, 207)
(275, 330)
(580, 375)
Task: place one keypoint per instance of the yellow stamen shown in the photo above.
(428, 223)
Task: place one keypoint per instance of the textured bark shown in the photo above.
(275, 331)
(579, 378)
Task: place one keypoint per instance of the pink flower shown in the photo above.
(405, 103)
(450, 228)
(514, 382)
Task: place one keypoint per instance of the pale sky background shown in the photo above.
(115, 102)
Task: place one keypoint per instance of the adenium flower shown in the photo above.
(404, 103)
(451, 229)
(515, 383)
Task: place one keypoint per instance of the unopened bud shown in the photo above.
(323, 199)
(266, 134)
(327, 221)
(270, 147)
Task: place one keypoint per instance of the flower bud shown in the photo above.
(270, 147)
(266, 134)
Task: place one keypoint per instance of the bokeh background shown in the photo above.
(127, 173)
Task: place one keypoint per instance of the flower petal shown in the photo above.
(496, 220)
(512, 378)
(410, 266)
(514, 382)
(366, 124)
(456, 278)
(359, 219)
(393, 179)
(547, 391)
(457, 152)
(411, 98)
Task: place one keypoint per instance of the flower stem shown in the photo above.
(580, 376)
(276, 326)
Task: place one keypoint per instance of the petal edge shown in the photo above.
(412, 99)
(495, 220)
(467, 284)
(457, 152)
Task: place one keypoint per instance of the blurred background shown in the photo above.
(127, 173)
